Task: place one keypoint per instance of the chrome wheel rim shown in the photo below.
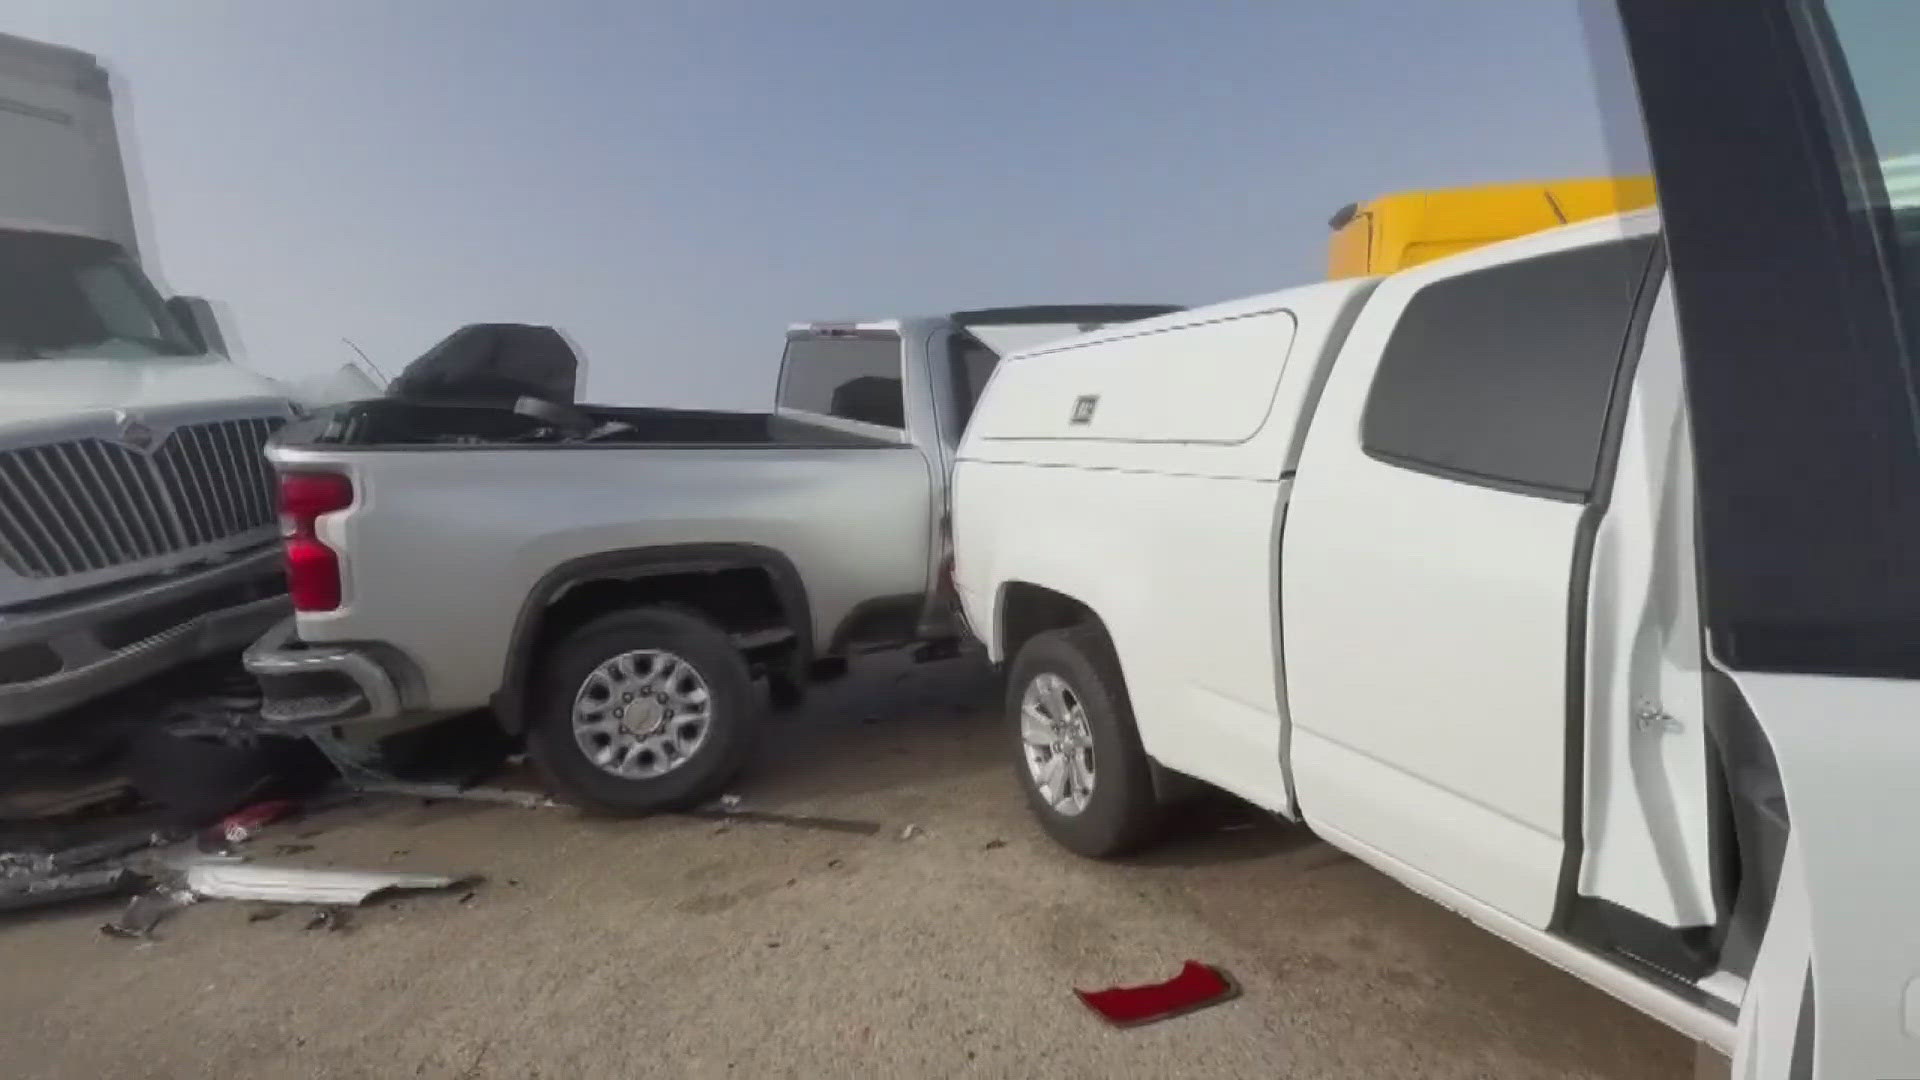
(642, 714)
(1057, 743)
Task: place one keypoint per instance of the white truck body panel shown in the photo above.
(1218, 398)
(1174, 545)
(594, 500)
(1646, 821)
(53, 392)
(57, 136)
(1845, 901)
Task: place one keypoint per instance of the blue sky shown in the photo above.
(672, 183)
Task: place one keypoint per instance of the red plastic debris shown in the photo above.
(1197, 986)
(242, 824)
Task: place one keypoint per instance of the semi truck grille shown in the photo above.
(92, 504)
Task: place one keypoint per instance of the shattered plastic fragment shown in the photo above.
(47, 891)
(144, 912)
(297, 885)
(331, 919)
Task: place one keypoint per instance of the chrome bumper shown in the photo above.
(305, 685)
(54, 658)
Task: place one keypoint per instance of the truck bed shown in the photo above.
(396, 424)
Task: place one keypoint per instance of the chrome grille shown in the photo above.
(220, 484)
(91, 504)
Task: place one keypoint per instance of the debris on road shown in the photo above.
(145, 911)
(298, 885)
(47, 890)
(730, 803)
(912, 832)
(20, 864)
(994, 844)
(332, 919)
(1197, 986)
(199, 753)
(31, 879)
(850, 826)
(448, 760)
(525, 800)
(242, 825)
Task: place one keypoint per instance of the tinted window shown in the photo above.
(854, 378)
(64, 296)
(1503, 375)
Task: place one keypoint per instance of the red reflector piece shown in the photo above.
(1196, 987)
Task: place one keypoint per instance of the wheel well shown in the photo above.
(744, 600)
(741, 600)
(1027, 610)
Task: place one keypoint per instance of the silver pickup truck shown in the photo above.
(611, 582)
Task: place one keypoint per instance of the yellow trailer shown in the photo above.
(1406, 229)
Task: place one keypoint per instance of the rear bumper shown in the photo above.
(54, 658)
(304, 685)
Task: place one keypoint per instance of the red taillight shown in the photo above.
(313, 568)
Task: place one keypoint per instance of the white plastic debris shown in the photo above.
(298, 885)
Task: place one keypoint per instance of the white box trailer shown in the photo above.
(57, 137)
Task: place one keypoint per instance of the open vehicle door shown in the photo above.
(1778, 132)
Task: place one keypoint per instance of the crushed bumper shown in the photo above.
(53, 658)
(304, 685)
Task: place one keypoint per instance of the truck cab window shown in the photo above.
(973, 364)
(1503, 376)
(63, 296)
(853, 378)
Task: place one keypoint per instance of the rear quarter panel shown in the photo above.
(443, 545)
(1165, 528)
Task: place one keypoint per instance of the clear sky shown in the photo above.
(673, 183)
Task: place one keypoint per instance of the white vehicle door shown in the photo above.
(1433, 563)
(1783, 136)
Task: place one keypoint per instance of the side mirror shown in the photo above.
(196, 317)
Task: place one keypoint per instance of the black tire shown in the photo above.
(733, 718)
(1121, 814)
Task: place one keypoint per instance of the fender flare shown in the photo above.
(631, 564)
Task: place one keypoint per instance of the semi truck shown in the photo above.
(137, 519)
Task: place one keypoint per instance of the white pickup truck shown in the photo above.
(1412, 561)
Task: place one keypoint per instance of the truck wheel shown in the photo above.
(1080, 760)
(650, 709)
